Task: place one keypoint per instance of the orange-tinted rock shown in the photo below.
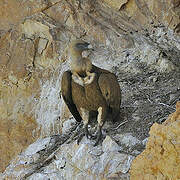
(142, 13)
(20, 85)
(16, 123)
(161, 158)
(58, 12)
(13, 11)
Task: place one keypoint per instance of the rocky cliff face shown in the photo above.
(138, 41)
(161, 158)
(58, 157)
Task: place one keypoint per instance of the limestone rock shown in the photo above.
(13, 12)
(67, 125)
(161, 158)
(71, 161)
(16, 125)
(116, 4)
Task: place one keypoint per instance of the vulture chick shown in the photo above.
(89, 90)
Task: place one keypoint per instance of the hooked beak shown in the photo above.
(84, 46)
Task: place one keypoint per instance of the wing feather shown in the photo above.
(110, 89)
(66, 90)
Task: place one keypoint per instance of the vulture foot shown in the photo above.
(87, 133)
(98, 136)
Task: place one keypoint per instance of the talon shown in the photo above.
(88, 135)
(80, 138)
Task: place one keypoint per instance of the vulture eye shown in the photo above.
(82, 46)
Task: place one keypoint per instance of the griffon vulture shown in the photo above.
(89, 90)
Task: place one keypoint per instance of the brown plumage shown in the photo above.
(88, 89)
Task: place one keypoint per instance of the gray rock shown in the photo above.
(71, 161)
(67, 125)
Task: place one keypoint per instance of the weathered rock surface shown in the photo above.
(137, 40)
(161, 158)
(52, 158)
